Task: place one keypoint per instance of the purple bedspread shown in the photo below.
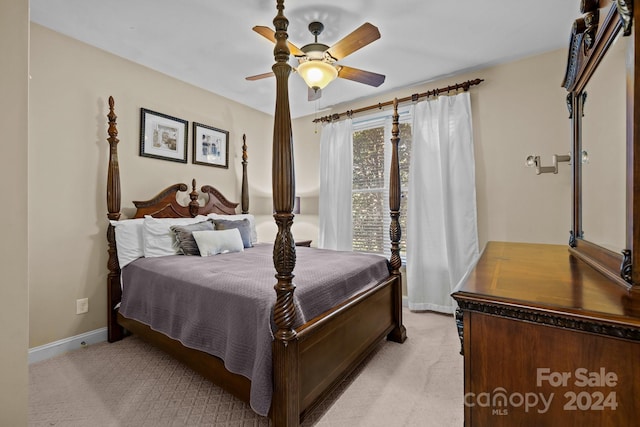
(223, 304)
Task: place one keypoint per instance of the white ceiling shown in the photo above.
(210, 44)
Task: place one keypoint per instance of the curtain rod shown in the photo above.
(465, 86)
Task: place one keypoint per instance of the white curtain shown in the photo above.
(336, 170)
(442, 235)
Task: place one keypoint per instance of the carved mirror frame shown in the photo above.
(592, 35)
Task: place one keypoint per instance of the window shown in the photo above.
(370, 188)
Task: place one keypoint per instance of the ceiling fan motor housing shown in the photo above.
(317, 51)
(314, 50)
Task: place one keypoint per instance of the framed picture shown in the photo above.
(210, 146)
(163, 137)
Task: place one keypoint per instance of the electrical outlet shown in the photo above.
(82, 305)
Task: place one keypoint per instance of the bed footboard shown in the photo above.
(328, 348)
(331, 348)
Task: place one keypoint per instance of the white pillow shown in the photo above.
(157, 237)
(252, 222)
(128, 240)
(214, 242)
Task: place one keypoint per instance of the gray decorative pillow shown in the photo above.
(184, 238)
(243, 226)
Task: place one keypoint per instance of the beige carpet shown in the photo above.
(129, 383)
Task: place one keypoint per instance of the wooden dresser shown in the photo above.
(548, 341)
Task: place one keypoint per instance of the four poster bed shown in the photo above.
(314, 337)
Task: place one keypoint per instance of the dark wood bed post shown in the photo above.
(286, 404)
(399, 333)
(114, 293)
(245, 180)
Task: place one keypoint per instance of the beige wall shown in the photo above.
(518, 110)
(70, 85)
(14, 291)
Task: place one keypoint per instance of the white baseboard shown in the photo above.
(47, 351)
(405, 301)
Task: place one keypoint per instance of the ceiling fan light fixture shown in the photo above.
(317, 74)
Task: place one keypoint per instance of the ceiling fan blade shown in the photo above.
(314, 94)
(361, 76)
(260, 76)
(269, 34)
(359, 38)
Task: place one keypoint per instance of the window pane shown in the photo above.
(368, 158)
(404, 152)
(404, 156)
(368, 210)
(371, 184)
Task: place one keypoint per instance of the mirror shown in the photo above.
(602, 93)
(604, 146)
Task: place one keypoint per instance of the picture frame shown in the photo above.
(210, 146)
(162, 136)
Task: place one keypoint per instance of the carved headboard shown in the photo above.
(165, 204)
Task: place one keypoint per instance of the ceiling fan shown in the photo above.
(317, 62)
